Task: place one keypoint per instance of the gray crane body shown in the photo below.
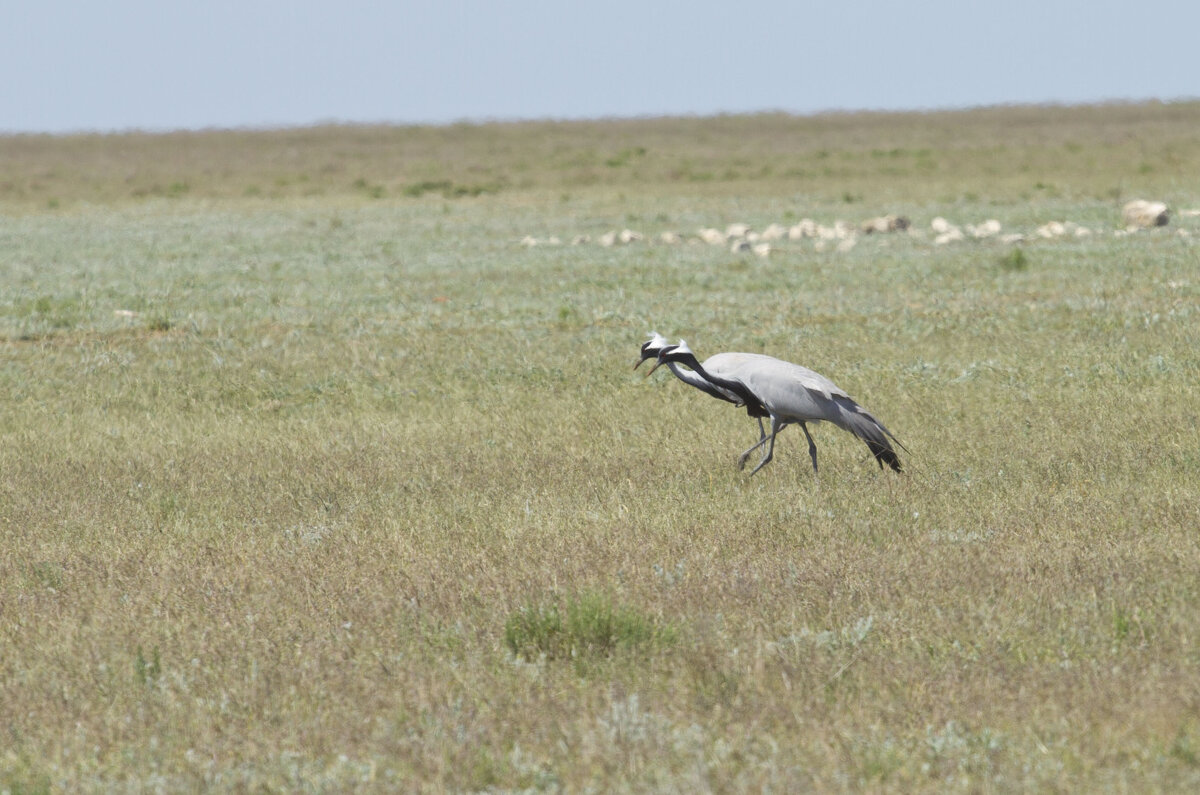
(788, 393)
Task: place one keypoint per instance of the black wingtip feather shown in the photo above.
(859, 422)
(885, 455)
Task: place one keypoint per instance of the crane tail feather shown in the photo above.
(884, 454)
(859, 422)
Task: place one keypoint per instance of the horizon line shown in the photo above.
(483, 121)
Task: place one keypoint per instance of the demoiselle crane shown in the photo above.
(789, 394)
(719, 363)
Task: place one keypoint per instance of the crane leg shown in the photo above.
(744, 456)
(812, 446)
(776, 427)
(762, 439)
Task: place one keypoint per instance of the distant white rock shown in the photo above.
(774, 232)
(1140, 214)
(805, 227)
(989, 228)
(884, 223)
(826, 232)
(951, 235)
(1051, 229)
(945, 231)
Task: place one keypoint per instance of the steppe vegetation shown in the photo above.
(315, 479)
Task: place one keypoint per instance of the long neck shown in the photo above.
(736, 388)
(698, 381)
(689, 376)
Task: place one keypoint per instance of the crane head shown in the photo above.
(681, 349)
(651, 348)
(671, 353)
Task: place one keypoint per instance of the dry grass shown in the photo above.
(996, 155)
(268, 531)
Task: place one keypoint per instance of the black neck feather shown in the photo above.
(736, 387)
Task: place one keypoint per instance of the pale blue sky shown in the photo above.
(158, 64)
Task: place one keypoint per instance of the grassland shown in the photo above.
(314, 479)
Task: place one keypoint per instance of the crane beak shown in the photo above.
(661, 358)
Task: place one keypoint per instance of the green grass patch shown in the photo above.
(1015, 260)
(450, 190)
(591, 624)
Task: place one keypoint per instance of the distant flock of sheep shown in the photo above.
(841, 237)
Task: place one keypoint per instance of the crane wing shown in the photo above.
(783, 375)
